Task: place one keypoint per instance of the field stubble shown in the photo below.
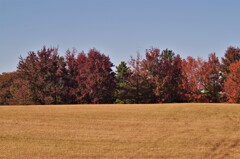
(120, 131)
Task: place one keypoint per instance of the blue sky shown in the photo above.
(118, 28)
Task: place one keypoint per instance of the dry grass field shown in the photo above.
(120, 131)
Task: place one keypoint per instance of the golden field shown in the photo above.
(120, 131)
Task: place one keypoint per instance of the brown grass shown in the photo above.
(120, 131)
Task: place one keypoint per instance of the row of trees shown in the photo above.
(45, 77)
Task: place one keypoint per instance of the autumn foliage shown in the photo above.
(191, 80)
(46, 77)
(232, 83)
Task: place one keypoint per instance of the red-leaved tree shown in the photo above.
(45, 72)
(6, 87)
(164, 73)
(231, 55)
(232, 83)
(191, 81)
(72, 73)
(96, 80)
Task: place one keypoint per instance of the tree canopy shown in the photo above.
(46, 77)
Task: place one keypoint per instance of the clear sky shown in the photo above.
(118, 28)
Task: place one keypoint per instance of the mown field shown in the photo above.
(120, 131)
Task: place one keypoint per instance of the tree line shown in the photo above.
(45, 77)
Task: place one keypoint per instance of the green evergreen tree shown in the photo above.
(122, 75)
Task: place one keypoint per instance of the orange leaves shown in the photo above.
(191, 81)
(232, 55)
(232, 83)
